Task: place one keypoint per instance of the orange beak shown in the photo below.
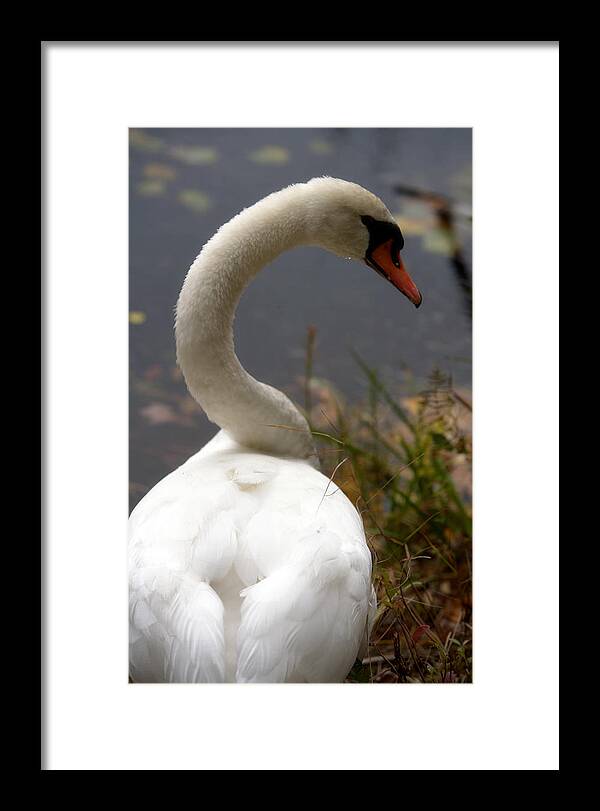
(394, 271)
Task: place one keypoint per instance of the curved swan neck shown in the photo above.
(246, 409)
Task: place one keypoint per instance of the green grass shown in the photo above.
(405, 462)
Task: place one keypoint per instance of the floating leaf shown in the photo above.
(275, 155)
(159, 414)
(415, 218)
(142, 140)
(411, 227)
(195, 200)
(438, 241)
(194, 155)
(418, 218)
(151, 188)
(136, 487)
(153, 372)
(137, 317)
(320, 147)
(159, 171)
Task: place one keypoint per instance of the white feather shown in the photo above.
(301, 564)
(246, 563)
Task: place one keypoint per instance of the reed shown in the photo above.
(407, 468)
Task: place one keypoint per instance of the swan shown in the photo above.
(247, 564)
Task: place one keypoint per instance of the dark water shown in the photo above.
(184, 183)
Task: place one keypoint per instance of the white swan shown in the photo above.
(246, 564)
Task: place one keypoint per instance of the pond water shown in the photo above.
(184, 183)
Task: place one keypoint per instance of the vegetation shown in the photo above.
(405, 463)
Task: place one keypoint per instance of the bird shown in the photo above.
(247, 564)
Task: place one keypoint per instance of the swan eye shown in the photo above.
(381, 232)
(396, 247)
(383, 255)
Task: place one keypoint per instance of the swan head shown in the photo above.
(350, 221)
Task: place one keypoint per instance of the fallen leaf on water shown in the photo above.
(320, 147)
(142, 140)
(438, 241)
(418, 219)
(159, 171)
(150, 188)
(159, 414)
(136, 487)
(275, 155)
(195, 200)
(411, 226)
(195, 155)
(137, 317)
(153, 372)
(415, 218)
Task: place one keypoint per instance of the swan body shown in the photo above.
(246, 564)
(247, 568)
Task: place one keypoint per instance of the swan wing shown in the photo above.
(176, 632)
(178, 545)
(305, 615)
(250, 567)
